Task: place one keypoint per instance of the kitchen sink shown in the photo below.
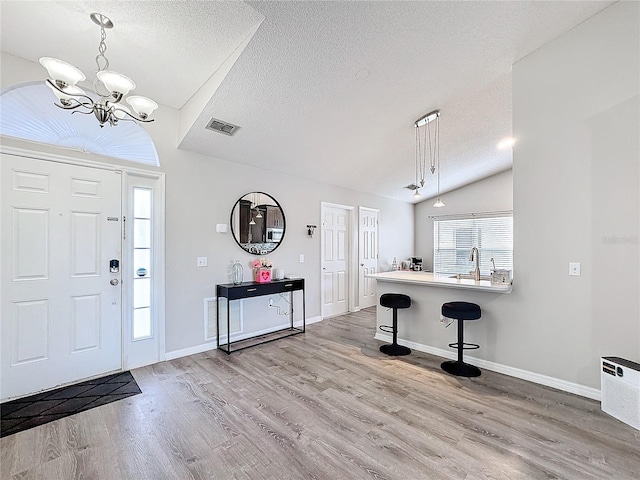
(468, 276)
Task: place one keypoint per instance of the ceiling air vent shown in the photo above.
(222, 127)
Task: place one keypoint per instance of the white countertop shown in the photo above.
(438, 280)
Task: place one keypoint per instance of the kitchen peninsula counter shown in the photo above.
(438, 280)
(420, 326)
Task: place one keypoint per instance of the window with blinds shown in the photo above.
(454, 237)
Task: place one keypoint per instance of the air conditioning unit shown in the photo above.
(620, 389)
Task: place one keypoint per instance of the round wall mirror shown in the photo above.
(257, 223)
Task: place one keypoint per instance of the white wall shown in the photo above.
(492, 194)
(576, 184)
(201, 191)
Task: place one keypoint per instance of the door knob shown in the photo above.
(114, 281)
(362, 264)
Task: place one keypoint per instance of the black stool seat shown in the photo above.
(394, 301)
(461, 311)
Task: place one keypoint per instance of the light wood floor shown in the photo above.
(328, 405)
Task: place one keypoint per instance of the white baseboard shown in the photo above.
(499, 368)
(203, 347)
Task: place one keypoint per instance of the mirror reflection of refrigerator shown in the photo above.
(416, 264)
(274, 234)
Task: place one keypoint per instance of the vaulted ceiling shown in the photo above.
(321, 90)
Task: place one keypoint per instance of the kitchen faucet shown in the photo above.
(475, 254)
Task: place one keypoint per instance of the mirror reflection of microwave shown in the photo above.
(274, 234)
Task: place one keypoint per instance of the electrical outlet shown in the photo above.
(301, 258)
(574, 269)
(201, 261)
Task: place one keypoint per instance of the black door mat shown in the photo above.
(45, 407)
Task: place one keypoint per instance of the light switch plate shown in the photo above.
(202, 261)
(301, 258)
(221, 228)
(574, 268)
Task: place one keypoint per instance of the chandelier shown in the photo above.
(108, 109)
(427, 147)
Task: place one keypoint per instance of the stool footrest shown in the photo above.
(461, 369)
(465, 346)
(386, 328)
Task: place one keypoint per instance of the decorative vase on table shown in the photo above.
(263, 275)
(236, 272)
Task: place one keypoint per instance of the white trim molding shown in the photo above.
(545, 380)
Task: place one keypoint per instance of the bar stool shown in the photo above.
(395, 301)
(461, 311)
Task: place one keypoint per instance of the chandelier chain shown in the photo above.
(102, 47)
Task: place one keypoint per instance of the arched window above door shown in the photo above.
(29, 113)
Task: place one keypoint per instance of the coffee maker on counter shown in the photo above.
(416, 264)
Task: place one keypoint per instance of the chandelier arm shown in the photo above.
(135, 117)
(81, 95)
(71, 107)
(84, 113)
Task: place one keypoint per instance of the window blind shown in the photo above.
(453, 239)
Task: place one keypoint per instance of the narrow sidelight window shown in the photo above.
(142, 261)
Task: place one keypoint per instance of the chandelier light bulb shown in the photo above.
(66, 94)
(143, 106)
(116, 82)
(439, 203)
(416, 194)
(62, 73)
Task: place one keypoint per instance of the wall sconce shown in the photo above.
(310, 230)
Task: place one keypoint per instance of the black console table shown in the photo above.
(231, 292)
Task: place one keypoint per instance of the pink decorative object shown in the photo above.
(262, 275)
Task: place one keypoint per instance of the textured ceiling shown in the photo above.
(324, 90)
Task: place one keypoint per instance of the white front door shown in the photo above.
(335, 254)
(368, 255)
(61, 303)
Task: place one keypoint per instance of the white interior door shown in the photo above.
(61, 305)
(368, 255)
(335, 264)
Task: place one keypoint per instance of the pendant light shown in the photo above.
(428, 147)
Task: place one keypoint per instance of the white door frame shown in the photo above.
(127, 172)
(352, 257)
(145, 356)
